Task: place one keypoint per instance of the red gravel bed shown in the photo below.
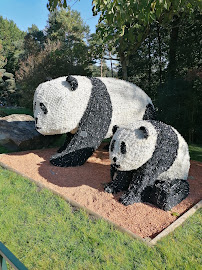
(85, 186)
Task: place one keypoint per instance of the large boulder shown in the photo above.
(17, 132)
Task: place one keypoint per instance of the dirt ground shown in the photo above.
(85, 186)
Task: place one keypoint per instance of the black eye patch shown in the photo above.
(144, 131)
(112, 145)
(123, 147)
(43, 107)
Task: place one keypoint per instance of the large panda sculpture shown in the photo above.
(86, 109)
(150, 161)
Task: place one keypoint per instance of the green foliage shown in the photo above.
(12, 41)
(128, 15)
(2, 58)
(53, 4)
(14, 110)
(55, 60)
(183, 98)
(195, 152)
(60, 52)
(179, 89)
(33, 41)
(97, 46)
(127, 23)
(35, 70)
(100, 70)
(175, 214)
(3, 149)
(8, 94)
(65, 23)
(45, 232)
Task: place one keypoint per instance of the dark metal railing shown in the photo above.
(7, 256)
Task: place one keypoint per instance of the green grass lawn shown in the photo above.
(45, 232)
(8, 111)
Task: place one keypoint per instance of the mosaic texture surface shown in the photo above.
(91, 131)
(89, 108)
(150, 160)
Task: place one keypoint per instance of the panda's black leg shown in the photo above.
(140, 180)
(120, 181)
(92, 128)
(68, 138)
(167, 194)
(72, 159)
(132, 195)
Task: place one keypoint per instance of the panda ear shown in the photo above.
(114, 129)
(72, 81)
(144, 131)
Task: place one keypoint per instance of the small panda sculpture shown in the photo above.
(86, 109)
(150, 161)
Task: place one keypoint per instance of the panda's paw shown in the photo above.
(129, 198)
(67, 160)
(109, 188)
(61, 161)
(72, 159)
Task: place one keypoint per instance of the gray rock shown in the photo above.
(17, 132)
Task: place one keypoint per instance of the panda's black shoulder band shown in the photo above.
(73, 82)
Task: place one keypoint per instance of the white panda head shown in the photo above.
(59, 104)
(133, 146)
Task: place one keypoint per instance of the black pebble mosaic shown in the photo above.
(142, 183)
(92, 129)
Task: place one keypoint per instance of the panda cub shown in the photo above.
(150, 161)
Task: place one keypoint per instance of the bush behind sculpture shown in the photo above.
(8, 92)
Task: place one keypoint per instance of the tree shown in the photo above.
(2, 58)
(63, 23)
(12, 42)
(67, 27)
(53, 4)
(148, 64)
(127, 23)
(181, 89)
(61, 51)
(34, 40)
(100, 52)
(35, 69)
(179, 93)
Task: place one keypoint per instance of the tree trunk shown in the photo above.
(173, 46)
(123, 60)
(160, 53)
(111, 65)
(124, 66)
(101, 67)
(149, 71)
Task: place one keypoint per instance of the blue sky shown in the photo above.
(27, 12)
